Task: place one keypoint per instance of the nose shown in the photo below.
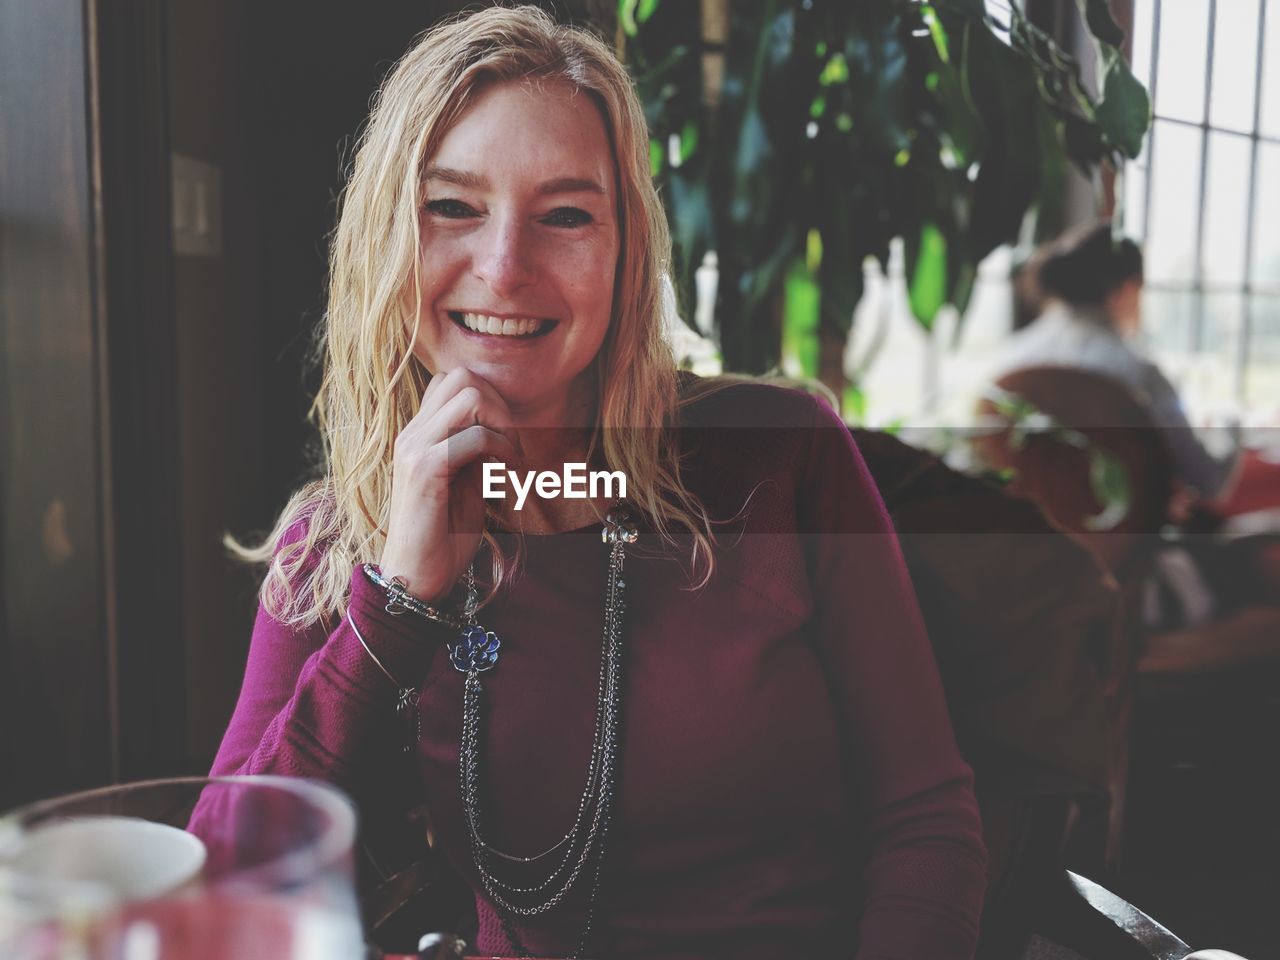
(503, 259)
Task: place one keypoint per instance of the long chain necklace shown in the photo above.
(584, 843)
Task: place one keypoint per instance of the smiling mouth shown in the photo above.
(525, 328)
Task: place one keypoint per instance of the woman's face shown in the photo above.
(520, 244)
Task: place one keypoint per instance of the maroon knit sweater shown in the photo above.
(790, 783)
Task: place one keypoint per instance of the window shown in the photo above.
(1204, 198)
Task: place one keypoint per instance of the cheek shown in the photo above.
(442, 257)
(591, 273)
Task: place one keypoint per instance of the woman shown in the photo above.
(762, 736)
(1088, 285)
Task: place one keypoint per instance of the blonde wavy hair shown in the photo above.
(372, 384)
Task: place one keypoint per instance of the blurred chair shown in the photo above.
(1055, 472)
(1019, 617)
(1056, 475)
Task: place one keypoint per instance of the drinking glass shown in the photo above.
(197, 868)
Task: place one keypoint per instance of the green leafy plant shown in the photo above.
(835, 127)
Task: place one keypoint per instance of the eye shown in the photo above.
(567, 217)
(449, 209)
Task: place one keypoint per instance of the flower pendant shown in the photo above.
(477, 651)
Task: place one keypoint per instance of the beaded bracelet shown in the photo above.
(400, 601)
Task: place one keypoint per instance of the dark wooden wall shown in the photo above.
(55, 669)
(273, 95)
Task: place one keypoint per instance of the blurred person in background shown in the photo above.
(1084, 292)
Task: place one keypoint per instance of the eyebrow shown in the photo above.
(473, 181)
(570, 185)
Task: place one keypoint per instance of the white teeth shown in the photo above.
(496, 326)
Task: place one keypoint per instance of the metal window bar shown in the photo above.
(1174, 286)
(1154, 67)
(1197, 313)
(1254, 135)
(1241, 366)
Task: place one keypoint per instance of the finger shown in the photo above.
(439, 389)
(469, 407)
(453, 383)
(434, 382)
(496, 400)
(460, 379)
(468, 447)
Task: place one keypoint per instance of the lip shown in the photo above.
(455, 317)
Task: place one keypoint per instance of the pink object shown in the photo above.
(217, 925)
(1256, 488)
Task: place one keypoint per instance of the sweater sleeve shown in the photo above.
(313, 701)
(1193, 464)
(925, 859)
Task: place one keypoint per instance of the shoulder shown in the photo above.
(301, 542)
(744, 402)
(755, 426)
(762, 442)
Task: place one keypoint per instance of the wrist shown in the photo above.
(418, 584)
(401, 600)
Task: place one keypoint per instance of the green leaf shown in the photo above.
(800, 347)
(1097, 14)
(1125, 110)
(938, 33)
(962, 276)
(854, 404)
(928, 270)
(632, 13)
(688, 141)
(1109, 481)
(627, 16)
(836, 70)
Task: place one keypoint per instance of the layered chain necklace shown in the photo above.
(581, 851)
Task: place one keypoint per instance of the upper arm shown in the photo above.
(869, 630)
(277, 654)
(924, 875)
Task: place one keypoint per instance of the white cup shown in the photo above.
(129, 857)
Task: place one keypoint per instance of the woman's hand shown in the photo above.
(437, 511)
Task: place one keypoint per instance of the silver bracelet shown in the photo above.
(406, 697)
(373, 656)
(400, 601)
